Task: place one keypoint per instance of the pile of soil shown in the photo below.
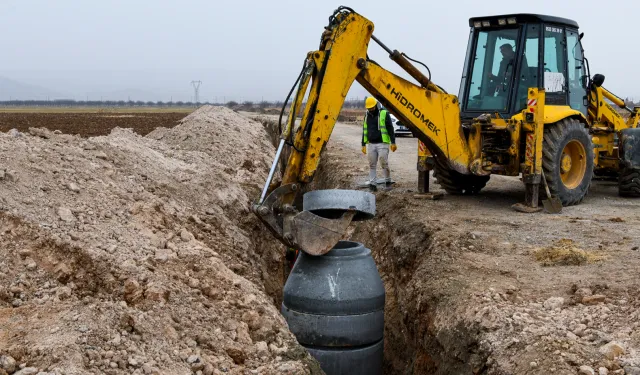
(565, 253)
(124, 254)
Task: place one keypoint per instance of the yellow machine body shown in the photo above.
(539, 138)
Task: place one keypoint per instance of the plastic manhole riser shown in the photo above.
(334, 305)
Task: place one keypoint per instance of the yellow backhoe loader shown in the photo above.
(528, 106)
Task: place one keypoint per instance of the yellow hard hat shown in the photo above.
(370, 102)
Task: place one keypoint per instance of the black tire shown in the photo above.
(629, 182)
(456, 183)
(571, 134)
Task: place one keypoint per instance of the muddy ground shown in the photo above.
(89, 124)
(470, 292)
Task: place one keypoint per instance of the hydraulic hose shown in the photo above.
(284, 106)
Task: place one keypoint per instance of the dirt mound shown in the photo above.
(565, 253)
(125, 254)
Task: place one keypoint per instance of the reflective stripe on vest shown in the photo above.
(382, 126)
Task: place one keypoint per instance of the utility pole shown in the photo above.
(196, 90)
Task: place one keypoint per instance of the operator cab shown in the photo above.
(508, 54)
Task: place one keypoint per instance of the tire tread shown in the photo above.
(554, 135)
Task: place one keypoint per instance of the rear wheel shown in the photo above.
(567, 160)
(629, 182)
(456, 183)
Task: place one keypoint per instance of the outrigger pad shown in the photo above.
(333, 203)
(521, 207)
(379, 181)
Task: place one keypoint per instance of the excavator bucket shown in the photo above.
(316, 235)
(321, 224)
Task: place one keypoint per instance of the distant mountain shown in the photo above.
(10, 89)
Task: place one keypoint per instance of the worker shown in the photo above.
(508, 61)
(378, 137)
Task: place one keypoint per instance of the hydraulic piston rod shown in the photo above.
(272, 171)
(401, 60)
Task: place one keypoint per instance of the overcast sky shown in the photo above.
(249, 50)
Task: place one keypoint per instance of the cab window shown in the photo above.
(555, 72)
(576, 72)
(529, 75)
(492, 71)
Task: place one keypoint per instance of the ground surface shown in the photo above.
(129, 254)
(465, 292)
(101, 109)
(89, 124)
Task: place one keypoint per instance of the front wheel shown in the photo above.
(567, 160)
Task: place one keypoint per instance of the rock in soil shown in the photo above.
(27, 371)
(595, 299)
(612, 350)
(8, 364)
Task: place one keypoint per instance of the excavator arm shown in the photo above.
(432, 115)
(327, 76)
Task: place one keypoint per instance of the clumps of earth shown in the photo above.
(565, 252)
(124, 254)
(586, 328)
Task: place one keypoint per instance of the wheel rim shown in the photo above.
(573, 164)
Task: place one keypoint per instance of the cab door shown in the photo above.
(576, 72)
(529, 66)
(555, 66)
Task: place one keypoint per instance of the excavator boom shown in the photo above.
(328, 75)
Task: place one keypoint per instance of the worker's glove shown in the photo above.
(364, 150)
(394, 148)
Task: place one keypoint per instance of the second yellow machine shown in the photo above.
(527, 106)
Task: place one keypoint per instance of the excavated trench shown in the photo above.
(424, 331)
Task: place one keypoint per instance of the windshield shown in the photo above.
(492, 71)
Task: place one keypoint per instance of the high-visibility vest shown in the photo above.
(382, 126)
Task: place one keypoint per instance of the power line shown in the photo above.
(196, 90)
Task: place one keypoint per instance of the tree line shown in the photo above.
(94, 103)
(352, 103)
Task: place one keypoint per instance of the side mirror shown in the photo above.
(584, 81)
(598, 80)
(581, 36)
